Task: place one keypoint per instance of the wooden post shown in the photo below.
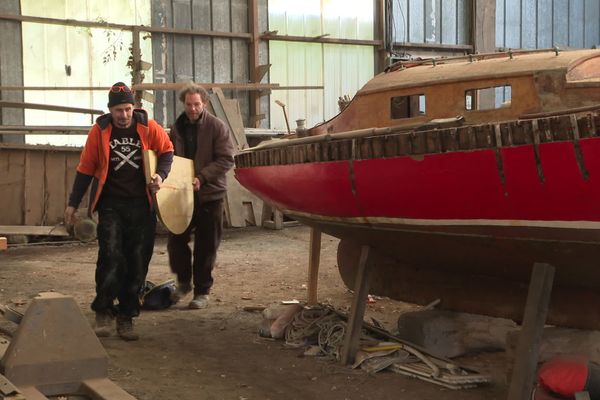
(536, 309)
(381, 52)
(357, 311)
(313, 265)
(272, 218)
(253, 55)
(136, 58)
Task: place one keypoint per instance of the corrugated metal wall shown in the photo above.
(178, 58)
(547, 23)
(432, 21)
(11, 67)
(340, 69)
(58, 55)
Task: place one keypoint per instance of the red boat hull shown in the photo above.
(462, 214)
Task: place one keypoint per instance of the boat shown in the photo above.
(460, 174)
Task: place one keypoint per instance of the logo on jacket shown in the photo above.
(125, 151)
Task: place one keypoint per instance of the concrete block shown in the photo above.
(54, 347)
(451, 334)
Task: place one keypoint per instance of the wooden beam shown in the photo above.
(58, 230)
(193, 32)
(136, 72)
(484, 26)
(380, 27)
(36, 106)
(35, 128)
(15, 88)
(434, 46)
(536, 309)
(297, 87)
(107, 25)
(253, 55)
(357, 310)
(313, 265)
(261, 71)
(171, 86)
(320, 39)
(181, 85)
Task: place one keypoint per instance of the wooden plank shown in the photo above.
(56, 188)
(34, 188)
(233, 202)
(72, 160)
(175, 199)
(58, 230)
(357, 310)
(234, 117)
(12, 178)
(271, 217)
(226, 112)
(104, 388)
(313, 265)
(536, 309)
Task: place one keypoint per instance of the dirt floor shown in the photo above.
(216, 353)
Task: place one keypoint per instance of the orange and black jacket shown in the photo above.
(94, 161)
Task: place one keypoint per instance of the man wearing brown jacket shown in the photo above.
(202, 137)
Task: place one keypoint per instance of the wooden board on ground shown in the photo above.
(175, 199)
(58, 230)
(242, 208)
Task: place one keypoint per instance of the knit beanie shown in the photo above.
(119, 93)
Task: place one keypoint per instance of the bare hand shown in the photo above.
(69, 217)
(196, 184)
(154, 185)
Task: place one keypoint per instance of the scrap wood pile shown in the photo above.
(320, 331)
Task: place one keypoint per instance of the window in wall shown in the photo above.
(490, 98)
(407, 106)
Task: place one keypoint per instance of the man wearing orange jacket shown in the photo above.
(112, 161)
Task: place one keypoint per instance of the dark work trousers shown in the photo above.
(207, 227)
(126, 228)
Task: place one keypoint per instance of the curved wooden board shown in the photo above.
(175, 199)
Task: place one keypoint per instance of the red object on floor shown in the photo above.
(565, 375)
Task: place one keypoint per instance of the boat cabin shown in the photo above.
(481, 88)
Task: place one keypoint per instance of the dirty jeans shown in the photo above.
(207, 226)
(126, 228)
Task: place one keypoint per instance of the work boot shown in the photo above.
(200, 301)
(125, 328)
(103, 326)
(180, 292)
